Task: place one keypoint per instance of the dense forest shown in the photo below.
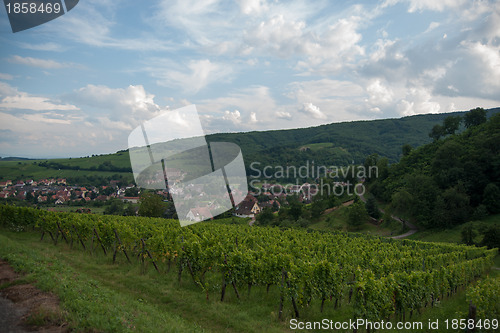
(449, 181)
(337, 144)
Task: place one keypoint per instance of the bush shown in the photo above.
(485, 295)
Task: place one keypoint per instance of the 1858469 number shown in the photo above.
(33, 7)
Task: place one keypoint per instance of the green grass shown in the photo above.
(113, 298)
(317, 146)
(454, 235)
(94, 210)
(99, 296)
(17, 170)
(337, 220)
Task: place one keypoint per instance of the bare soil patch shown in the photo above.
(25, 308)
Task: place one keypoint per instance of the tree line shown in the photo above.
(449, 181)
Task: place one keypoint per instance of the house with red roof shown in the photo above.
(199, 214)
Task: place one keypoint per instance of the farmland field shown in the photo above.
(296, 274)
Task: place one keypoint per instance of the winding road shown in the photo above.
(413, 228)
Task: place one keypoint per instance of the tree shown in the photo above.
(132, 192)
(265, 217)
(116, 207)
(452, 207)
(383, 168)
(437, 132)
(295, 210)
(480, 212)
(417, 198)
(151, 205)
(451, 124)
(357, 214)
(446, 165)
(468, 234)
(302, 222)
(370, 162)
(475, 117)
(372, 208)
(402, 201)
(407, 149)
(107, 191)
(491, 237)
(170, 212)
(317, 207)
(130, 210)
(491, 198)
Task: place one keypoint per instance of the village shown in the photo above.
(57, 191)
(52, 192)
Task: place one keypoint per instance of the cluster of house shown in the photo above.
(59, 192)
(268, 196)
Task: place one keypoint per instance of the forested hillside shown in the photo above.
(449, 181)
(335, 144)
(338, 143)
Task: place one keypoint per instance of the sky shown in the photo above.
(78, 85)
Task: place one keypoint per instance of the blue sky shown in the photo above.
(79, 84)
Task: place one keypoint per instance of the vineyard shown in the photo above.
(383, 278)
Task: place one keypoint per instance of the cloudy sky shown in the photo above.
(79, 84)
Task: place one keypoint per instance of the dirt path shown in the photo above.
(23, 304)
(413, 228)
(10, 316)
(344, 204)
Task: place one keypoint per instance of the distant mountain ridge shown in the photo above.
(13, 158)
(335, 144)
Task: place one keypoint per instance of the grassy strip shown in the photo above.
(454, 235)
(90, 305)
(99, 296)
(102, 296)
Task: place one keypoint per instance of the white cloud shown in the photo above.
(253, 6)
(432, 5)
(284, 115)
(417, 101)
(381, 48)
(489, 57)
(49, 46)
(323, 89)
(203, 23)
(253, 99)
(278, 36)
(131, 105)
(432, 26)
(197, 74)
(254, 108)
(334, 50)
(5, 76)
(7, 90)
(321, 63)
(46, 118)
(253, 118)
(379, 94)
(35, 62)
(101, 122)
(95, 25)
(14, 99)
(27, 102)
(234, 117)
(441, 5)
(313, 111)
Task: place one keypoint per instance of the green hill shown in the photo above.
(447, 182)
(333, 144)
